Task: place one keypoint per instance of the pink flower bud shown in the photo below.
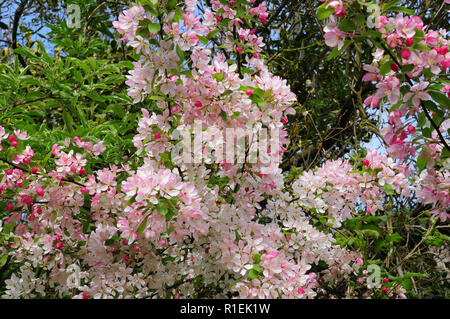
(238, 49)
(31, 217)
(83, 190)
(59, 245)
(406, 54)
(19, 184)
(366, 162)
(175, 109)
(9, 207)
(198, 103)
(411, 129)
(34, 170)
(27, 199)
(301, 291)
(157, 135)
(249, 92)
(385, 280)
(284, 120)
(11, 138)
(39, 191)
(9, 172)
(81, 171)
(14, 144)
(409, 42)
(26, 160)
(443, 50)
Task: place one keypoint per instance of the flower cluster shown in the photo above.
(156, 226)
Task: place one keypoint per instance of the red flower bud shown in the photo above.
(409, 42)
(39, 191)
(395, 67)
(406, 54)
(366, 162)
(443, 50)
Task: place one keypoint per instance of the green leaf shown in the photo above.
(323, 13)
(253, 274)
(223, 115)
(347, 25)
(68, 121)
(142, 225)
(426, 131)
(389, 5)
(421, 120)
(371, 230)
(441, 99)
(180, 53)
(408, 68)
(212, 34)
(395, 237)
(386, 67)
(404, 10)
(218, 76)
(202, 39)
(154, 27)
(421, 47)
(388, 189)
(162, 208)
(130, 201)
(3, 260)
(26, 52)
(422, 163)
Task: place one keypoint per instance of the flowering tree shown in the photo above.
(160, 225)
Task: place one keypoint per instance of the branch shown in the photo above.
(27, 171)
(438, 131)
(17, 16)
